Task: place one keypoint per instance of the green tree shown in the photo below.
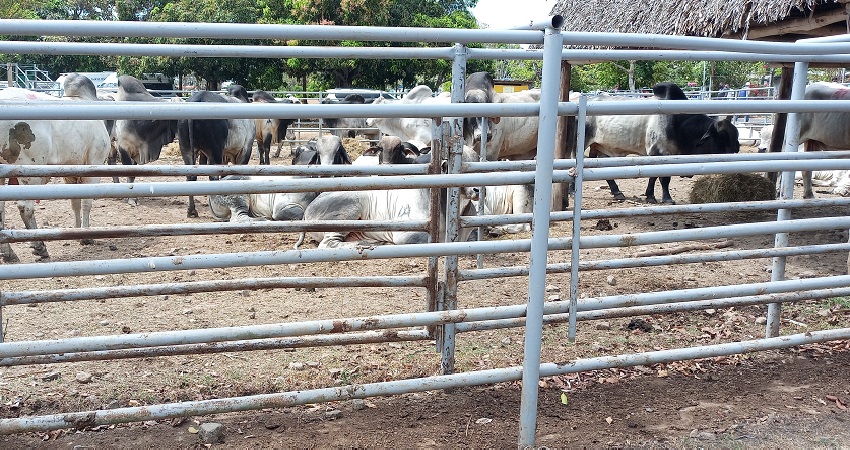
(376, 73)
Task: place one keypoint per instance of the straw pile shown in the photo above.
(735, 187)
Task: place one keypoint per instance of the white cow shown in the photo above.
(510, 199)
(825, 130)
(507, 137)
(49, 142)
(414, 130)
(325, 150)
(383, 205)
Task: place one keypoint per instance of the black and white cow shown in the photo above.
(215, 141)
(389, 150)
(140, 141)
(507, 137)
(349, 127)
(269, 131)
(660, 134)
(56, 142)
(325, 150)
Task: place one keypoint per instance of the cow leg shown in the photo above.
(807, 185)
(615, 190)
(82, 208)
(127, 160)
(266, 150)
(665, 191)
(6, 251)
(27, 210)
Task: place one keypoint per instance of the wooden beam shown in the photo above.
(808, 25)
(566, 126)
(781, 119)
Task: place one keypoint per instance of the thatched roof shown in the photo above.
(773, 20)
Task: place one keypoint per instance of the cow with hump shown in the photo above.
(824, 130)
(215, 141)
(54, 142)
(507, 137)
(380, 205)
(417, 131)
(325, 150)
(658, 134)
(139, 141)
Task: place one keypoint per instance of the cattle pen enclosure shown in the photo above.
(167, 317)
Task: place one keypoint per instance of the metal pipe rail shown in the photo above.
(215, 228)
(655, 210)
(364, 337)
(318, 327)
(8, 298)
(670, 308)
(652, 261)
(368, 337)
(477, 378)
(63, 109)
(156, 189)
(223, 260)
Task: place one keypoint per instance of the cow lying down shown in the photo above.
(325, 150)
(510, 199)
(381, 205)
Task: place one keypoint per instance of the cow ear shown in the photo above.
(409, 153)
(495, 119)
(372, 151)
(425, 150)
(728, 119)
(708, 133)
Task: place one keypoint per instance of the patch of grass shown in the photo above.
(843, 302)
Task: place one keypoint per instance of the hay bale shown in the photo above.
(170, 150)
(734, 187)
(354, 147)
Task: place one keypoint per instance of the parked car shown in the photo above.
(335, 95)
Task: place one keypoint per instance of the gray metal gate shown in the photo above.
(441, 286)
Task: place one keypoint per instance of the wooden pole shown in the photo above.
(781, 119)
(564, 145)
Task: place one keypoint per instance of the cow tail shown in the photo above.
(192, 142)
(300, 239)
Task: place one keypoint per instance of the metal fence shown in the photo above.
(442, 315)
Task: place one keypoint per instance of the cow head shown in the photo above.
(668, 91)
(391, 150)
(238, 92)
(724, 136)
(479, 88)
(326, 150)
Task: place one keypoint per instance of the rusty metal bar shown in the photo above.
(286, 399)
(194, 287)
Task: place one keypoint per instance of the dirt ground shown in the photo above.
(776, 399)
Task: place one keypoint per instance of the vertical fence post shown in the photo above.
(455, 150)
(574, 259)
(786, 191)
(482, 193)
(553, 43)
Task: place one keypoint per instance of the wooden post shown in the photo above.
(786, 79)
(564, 146)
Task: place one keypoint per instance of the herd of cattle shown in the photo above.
(404, 141)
